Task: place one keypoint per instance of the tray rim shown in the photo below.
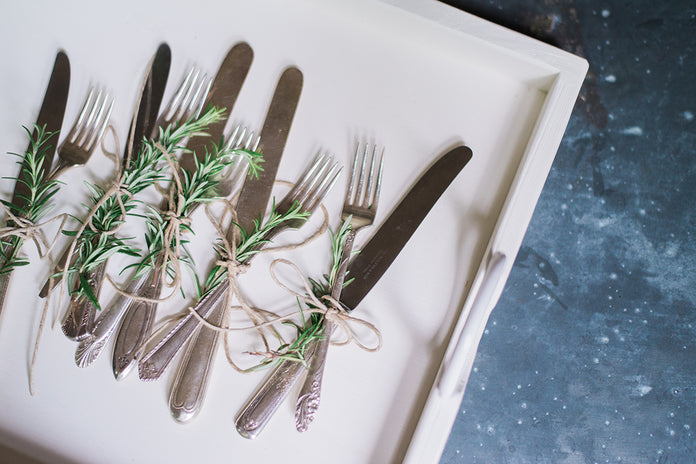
(566, 75)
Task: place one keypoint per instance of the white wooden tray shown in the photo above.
(416, 76)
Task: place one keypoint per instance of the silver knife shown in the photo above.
(138, 319)
(79, 319)
(51, 118)
(367, 268)
(160, 353)
(188, 390)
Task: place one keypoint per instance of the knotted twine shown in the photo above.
(330, 308)
(25, 230)
(172, 233)
(117, 189)
(264, 319)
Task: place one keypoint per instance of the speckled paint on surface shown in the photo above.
(590, 355)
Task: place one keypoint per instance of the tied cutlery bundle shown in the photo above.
(34, 186)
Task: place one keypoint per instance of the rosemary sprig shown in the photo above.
(33, 207)
(313, 329)
(295, 351)
(253, 241)
(338, 241)
(196, 188)
(97, 242)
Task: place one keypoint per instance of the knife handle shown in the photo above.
(79, 319)
(190, 385)
(89, 349)
(136, 325)
(156, 358)
(263, 404)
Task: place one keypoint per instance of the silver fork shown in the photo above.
(75, 150)
(361, 203)
(309, 191)
(360, 208)
(79, 319)
(86, 132)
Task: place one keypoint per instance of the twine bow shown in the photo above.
(25, 229)
(331, 309)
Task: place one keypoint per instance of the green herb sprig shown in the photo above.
(34, 206)
(97, 241)
(194, 188)
(312, 329)
(253, 241)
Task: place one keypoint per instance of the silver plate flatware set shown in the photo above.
(130, 323)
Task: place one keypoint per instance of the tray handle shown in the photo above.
(485, 298)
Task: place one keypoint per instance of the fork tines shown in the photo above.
(315, 183)
(189, 98)
(92, 121)
(361, 193)
(236, 139)
(233, 175)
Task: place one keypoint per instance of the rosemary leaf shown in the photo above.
(36, 205)
(148, 167)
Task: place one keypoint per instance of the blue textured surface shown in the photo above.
(590, 355)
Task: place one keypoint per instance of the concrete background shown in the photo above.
(590, 355)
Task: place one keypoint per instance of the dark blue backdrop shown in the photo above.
(589, 357)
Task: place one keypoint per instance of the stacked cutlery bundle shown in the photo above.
(206, 168)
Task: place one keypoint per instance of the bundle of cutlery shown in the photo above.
(187, 148)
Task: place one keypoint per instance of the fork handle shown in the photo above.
(263, 404)
(310, 393)
(60, 168)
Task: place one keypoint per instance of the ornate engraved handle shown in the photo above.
(156, 359)
(310, 394)
(190, 385)
(79, 319)
(138, 318)
(260, 408)
(89, 349)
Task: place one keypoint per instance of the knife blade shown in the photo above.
(137, 322)
(252, 201)
(253, 197)
(79, 319)
(387, 242)
(223, 94)
(149, 102)
(367, 268)
(51, 117)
